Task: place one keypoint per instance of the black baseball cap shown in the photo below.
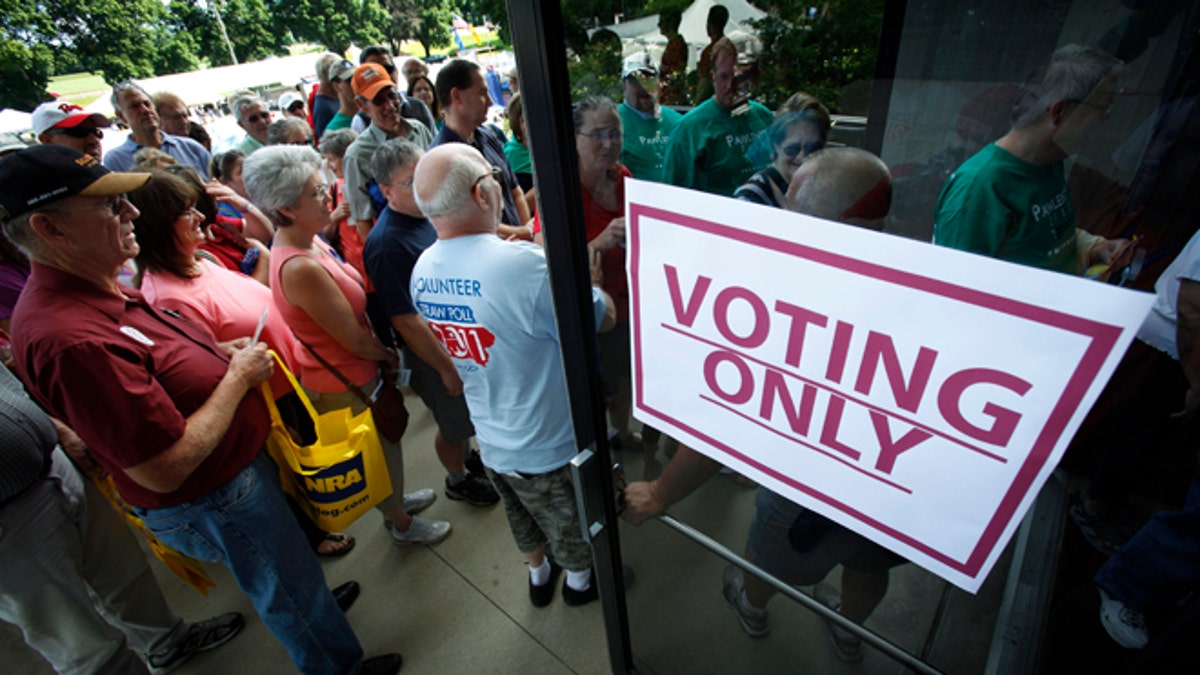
(44, 174)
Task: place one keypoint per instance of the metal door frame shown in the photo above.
(538, 36)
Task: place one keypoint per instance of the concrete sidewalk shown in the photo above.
(462, 606)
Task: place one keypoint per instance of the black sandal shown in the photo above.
(339, 538)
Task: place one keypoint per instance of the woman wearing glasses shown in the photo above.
(322, 300)
(602, 177)
(801, 127)
(170, 231)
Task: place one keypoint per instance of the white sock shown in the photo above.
(538, 576)
(579, 581)
(456, 478)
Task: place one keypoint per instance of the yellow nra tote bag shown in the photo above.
(340, 476)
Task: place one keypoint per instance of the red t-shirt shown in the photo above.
(352, 244)
(125, 377)
(227, 247)
(595, 219)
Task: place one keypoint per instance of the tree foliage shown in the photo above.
(124, 39)
(334, 23)
(251, 29)
(425, 21)
(25, 65)
(24, 72)
(578, 15)
(119, 38)
(822, 56)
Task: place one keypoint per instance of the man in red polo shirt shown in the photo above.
(174, 417)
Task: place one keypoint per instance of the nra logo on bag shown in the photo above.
(338, 482)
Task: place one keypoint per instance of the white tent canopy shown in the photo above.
(213, 84)
(15, 121)
(643, 35)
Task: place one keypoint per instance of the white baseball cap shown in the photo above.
(638, 64)
(288, 99)
(64, 115)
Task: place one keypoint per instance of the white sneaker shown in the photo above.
(422, 531)
(752, 619)
(846, 645)
(419, 500)
(1125, 625)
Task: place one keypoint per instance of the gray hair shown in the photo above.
(450, 195)
(841, 176)
(242, 102)
(591, 104)
(121, 87)
(275, 177)
(325, 63)
(392, 156)
(1071, 73)
(335, 142)
(22, 236)
(282, 128)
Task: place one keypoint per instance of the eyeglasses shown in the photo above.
(807, 148)
(78, 132)
(495, 174)
(254, 119)
(302, 141)
(407, 184)
(322, 193)
(601, 135)
(175, 116)
(1105, 110)
(385, 97)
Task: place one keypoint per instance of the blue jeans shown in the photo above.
(247, 526)
(1160, 565)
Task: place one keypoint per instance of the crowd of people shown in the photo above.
(390, 233)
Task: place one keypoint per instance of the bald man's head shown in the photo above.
(844, 184)
(454, 188)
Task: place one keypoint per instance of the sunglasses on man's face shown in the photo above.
(79, 132)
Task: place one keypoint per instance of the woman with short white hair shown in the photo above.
(322, 299)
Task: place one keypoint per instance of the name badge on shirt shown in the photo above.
(137, 335)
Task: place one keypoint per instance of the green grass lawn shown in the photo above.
(68, 86)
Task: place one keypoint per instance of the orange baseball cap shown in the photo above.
(369, 79)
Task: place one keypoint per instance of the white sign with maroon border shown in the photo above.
(918, 395)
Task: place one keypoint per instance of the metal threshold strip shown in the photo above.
(875, 640)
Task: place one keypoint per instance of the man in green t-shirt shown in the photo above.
(1010, 200)
(707, 150)
(645, 123)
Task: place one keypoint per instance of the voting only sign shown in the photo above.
(917, 395)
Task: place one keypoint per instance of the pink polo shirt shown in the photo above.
(230, 304)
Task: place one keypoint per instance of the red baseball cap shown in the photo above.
(64, 115)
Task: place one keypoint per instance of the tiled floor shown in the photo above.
(462, 606)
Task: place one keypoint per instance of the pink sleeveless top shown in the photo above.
(311, 373)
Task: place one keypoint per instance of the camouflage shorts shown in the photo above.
(541, 510)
